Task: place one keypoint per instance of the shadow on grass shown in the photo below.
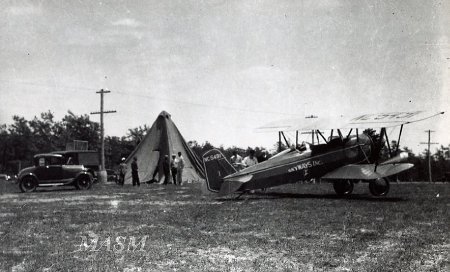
(55, 189)
(279, 195)
(14, 189)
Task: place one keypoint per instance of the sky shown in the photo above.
(223, 68)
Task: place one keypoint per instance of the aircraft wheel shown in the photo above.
(343, 187)
(379, 187)
(28, 184)
(83, 183)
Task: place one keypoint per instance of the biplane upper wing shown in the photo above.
(367, 171)
(378, 120)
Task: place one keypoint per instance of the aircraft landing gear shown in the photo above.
(343, 187)
(379, 187)
(243, 192)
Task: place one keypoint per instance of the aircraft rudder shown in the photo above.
(216, 168)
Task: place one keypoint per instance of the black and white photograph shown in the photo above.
(224, 135)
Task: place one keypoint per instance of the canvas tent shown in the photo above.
(163, 138)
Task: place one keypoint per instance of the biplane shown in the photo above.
(348, 155)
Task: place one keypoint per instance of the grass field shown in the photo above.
(301, 227)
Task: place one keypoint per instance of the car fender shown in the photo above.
(84, 173)
(29, 174)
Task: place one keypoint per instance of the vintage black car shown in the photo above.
(53, 170)
(87, 158)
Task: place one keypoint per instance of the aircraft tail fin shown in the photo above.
(216, 167)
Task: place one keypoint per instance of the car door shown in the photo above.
(49, 169)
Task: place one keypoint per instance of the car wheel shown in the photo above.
(28, 184)
(379, 187)
(83, 183)
(343, 187)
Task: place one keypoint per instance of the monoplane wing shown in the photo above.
(367, 171)
(378, 120)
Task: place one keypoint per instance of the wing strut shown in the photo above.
(365, 155)
(285, 140)
(340, 134)
(321, 135)
(388, 145)
(279, 141)
(378, 149)
(398, 142)
(348, 135)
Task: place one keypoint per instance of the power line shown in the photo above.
(49, 86)
(175, 101)
(206, 105)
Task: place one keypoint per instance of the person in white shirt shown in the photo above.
(250, 160)
(122, 172)
(236, 161)
(174, 168)
(180, 168)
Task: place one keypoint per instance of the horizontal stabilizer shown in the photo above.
(232, 185)
(367, 171)
(229, 187)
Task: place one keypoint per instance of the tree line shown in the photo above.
(22, 139)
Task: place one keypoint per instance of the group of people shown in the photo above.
(174, 167)
(123, 168)
(240, 163)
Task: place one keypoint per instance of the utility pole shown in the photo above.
(429, 143)
(102, 133)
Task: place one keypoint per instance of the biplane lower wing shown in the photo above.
(367, 171)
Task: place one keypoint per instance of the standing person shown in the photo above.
(180, 168)
(264, 156)
(250, 160)
(166, 169)
(134, 172)
(173, 168)
(236, 160)
(122, 171)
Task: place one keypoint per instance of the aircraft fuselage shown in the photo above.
(295, 166)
